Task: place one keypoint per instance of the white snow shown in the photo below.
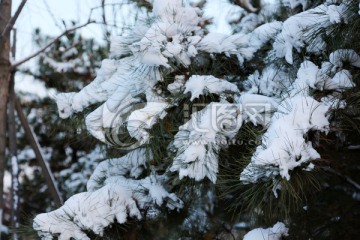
(144, 118)
(170, 36)
(257, 108)
(117, 197)
(199, 140)
(178, 84)
(306, 77)
(115, 84)
(29, 85)
(264, 33)
(341, 80)
(131, 164)
(242, 45)
(310, 76)
(3, 228)
(275, 233)
(174, 37)
(80, 212)
(283, 145)
(271, 82)
(222, 18)
(303, 29)
(335, 13)
(127, 93)
(340, 56)
(74, 178)
(62, 67)
(7, 181)
(15, 181)
(198, 85)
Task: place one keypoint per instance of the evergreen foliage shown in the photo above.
(223, 128)
(71, 153)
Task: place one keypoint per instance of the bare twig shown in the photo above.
(104, 5)
(107, 24)
(103, 11)
(106, 32)
(346, 178)
(48, 9)
(16, 64)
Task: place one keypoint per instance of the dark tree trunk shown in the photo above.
(5, 72)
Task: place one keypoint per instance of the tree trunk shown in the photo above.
(14, 160)
(5, 72)
(15, 169)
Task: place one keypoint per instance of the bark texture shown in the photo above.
(5, 72)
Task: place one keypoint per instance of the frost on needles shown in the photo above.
(127, 95)
(114, 193)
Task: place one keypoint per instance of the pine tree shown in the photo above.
(207, 122)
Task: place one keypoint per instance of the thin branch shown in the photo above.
(346, 178)
(34, 143)
(105, 5)
(12, 21)
(106, 32)
(103, 11)
(107, 24)
(16, 64)
(48, 9)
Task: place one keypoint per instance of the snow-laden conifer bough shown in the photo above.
(175, 36)
(275, 233)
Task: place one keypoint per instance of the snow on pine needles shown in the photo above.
(127, 95)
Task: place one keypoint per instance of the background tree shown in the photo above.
(68, 64)
(77, 73)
